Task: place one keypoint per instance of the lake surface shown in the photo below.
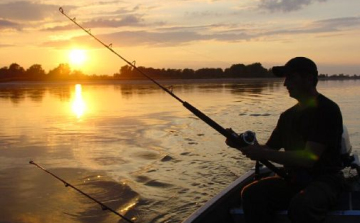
(132, 146)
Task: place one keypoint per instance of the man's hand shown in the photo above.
(254, 152)
(230, 142)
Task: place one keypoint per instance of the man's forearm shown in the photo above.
(303, 158)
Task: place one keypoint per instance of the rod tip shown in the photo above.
(31, 162)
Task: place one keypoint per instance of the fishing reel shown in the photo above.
(247, 138)
(243, 139)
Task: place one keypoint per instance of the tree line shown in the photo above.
(255, 70)
(15, 72)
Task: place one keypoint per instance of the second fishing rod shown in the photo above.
(244, 139)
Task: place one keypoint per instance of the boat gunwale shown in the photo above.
(218, 197)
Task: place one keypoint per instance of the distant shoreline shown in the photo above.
(64, 73)
(145, 81)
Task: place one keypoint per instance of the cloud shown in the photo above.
(109, 2)
(129, 20)
(320, 26)
(26, 11)
(285, 5)
(202, 14)
(336, 24)
(155, 38)
(146, 38)
(182, 35)
(131, 38)
(5, 45)
(5, 24)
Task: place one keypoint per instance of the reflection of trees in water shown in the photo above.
(129, 90)
(236, 87)
(36, 92)
(240, 86)
(253, 86)
(62, 92)
(18, 93)
(36, 95)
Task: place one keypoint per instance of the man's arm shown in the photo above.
(302, 158)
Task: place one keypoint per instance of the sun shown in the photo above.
(77, 57)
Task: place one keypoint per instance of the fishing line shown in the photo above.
(228, 133)
(102, 205)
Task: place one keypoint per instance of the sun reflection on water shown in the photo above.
(78, 105)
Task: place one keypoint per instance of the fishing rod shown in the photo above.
(102, 205)
(246, 138)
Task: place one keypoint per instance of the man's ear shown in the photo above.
(309, 79)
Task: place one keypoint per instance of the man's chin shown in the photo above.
(292, 94)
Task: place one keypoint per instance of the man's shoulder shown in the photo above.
(323, 104)
(290, 110)
(326, 102)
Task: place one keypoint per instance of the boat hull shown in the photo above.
(225, 207)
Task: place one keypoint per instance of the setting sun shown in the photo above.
(77, 57)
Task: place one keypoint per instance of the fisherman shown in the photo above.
(307, 142)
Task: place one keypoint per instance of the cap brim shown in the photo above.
(279, 71)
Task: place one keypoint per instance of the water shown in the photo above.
(132, 146)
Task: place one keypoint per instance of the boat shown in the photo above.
(225, 207)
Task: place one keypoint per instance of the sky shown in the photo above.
(180, 34)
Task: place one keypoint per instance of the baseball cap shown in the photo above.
(297, 64)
